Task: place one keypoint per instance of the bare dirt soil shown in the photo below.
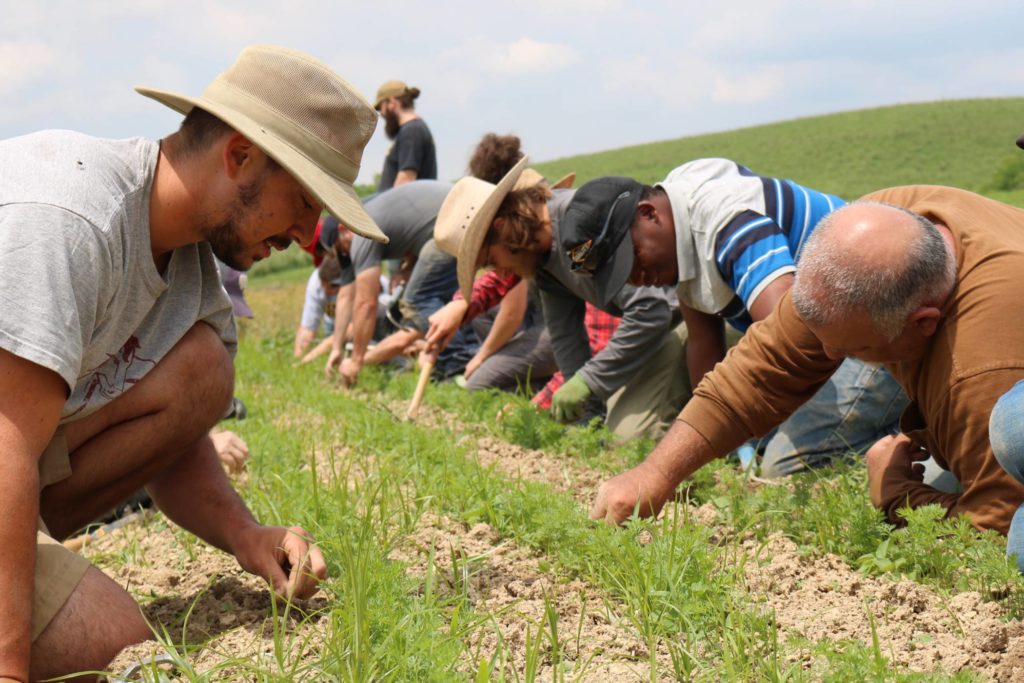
(500, 578)
(188, 588)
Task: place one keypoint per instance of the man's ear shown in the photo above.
(925, 320)
(239, 155)
(646, 209)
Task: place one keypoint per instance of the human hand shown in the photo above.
(643, 489)
(415, 348)
(445, 322)
(475, 362)
(232, 451)
(285, 557)
(349, 371)
(891, 462)
(567, 402)
(333, 361)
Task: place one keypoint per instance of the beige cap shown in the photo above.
(388, 90)
(300, 113)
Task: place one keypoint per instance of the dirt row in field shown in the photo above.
(822, 597)
(197, 594)
(502, 579)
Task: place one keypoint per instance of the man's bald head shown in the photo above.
(876, 258)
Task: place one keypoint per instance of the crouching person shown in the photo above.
(116, 336)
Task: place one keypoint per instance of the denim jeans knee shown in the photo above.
(859, 404)
(1006, 431)
(1006, 434)
(431, 285)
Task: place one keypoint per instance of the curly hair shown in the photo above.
(494, 156)
(520, 218)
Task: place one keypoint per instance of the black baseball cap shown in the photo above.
(1020, 141)
(595, 232)
(328, 237)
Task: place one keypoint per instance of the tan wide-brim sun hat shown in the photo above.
(466, 216)
(300, 113)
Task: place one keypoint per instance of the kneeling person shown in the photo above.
(729, 240)
(116, 336)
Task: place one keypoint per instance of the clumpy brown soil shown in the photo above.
(823, 598)
(508, 581)
(197, 594)
(811, 598)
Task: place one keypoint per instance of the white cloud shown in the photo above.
(681, 82)
(23, 64)
(527, 55)
(763, 84)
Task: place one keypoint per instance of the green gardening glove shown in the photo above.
(567, 403)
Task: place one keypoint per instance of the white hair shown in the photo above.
(831, 285)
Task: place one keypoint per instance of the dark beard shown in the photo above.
(224, 238)
(391, 125)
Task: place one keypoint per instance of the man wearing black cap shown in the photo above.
(729, 240)
(515, 227)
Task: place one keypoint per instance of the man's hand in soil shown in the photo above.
(567, 402)
(349, 371)
(892, 462)
(232, 451)
(333, 361)
(285, 557)
(649, 485)
(643, 489)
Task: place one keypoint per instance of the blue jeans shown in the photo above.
(431, 285)
(859, 405)
(1006, 433)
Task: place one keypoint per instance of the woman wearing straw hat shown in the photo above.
(513, 226)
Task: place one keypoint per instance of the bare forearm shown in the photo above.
(303, 337)
(363, 323)
(19, 491)
(701, 357)
(196, 494)
(406, 176)
(509, 317)
(394, 345)
(680, 453)
(342, 317)
(319, 350)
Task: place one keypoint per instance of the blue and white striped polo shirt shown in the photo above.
(736, 232)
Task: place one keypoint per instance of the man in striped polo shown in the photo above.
(729, 240)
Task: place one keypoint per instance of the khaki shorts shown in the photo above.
(58, 570)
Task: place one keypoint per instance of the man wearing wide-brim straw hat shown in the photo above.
(514, 228)
(116, 342)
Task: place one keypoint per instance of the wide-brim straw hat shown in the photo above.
(466, 216)
(301, 114)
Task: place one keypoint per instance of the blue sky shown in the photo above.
(568, 76)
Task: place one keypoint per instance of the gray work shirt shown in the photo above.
(646, 312)
(406, 214)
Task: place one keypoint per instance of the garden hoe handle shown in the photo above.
(427, 360)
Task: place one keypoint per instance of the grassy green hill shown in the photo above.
(964, 143)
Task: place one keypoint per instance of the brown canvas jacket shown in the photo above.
(976, 355)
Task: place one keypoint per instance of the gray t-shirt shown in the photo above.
(406, 214)
(79, 291)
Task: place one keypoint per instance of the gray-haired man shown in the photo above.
(116, 336)
(924, 285)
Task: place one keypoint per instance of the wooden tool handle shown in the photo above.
(426, 367)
